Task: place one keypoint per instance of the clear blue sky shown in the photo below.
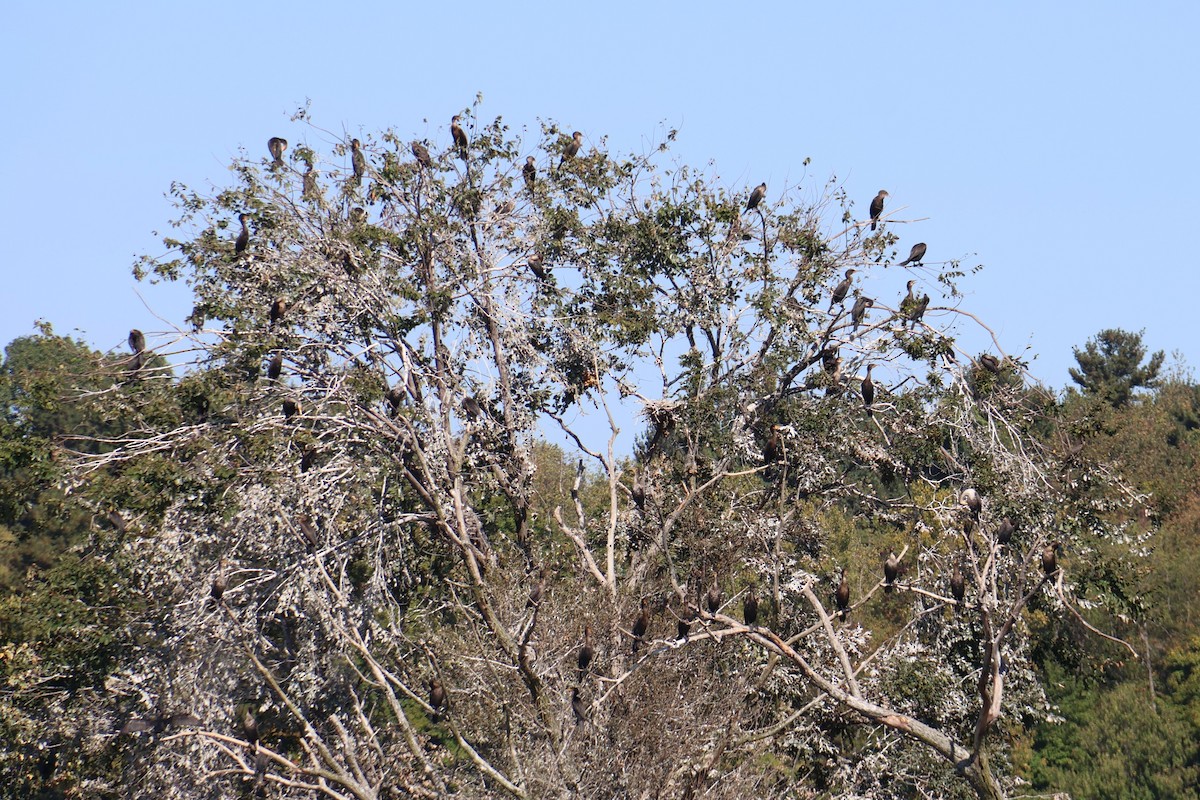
(1054, 143)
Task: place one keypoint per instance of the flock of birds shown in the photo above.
(912, 310)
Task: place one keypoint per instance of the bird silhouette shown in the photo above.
(842, 289)
(877, 207)
(421, 153)
(891, 570)
(915, 255)
(868, 390)
(276, 146)
(529, 171)
(756, 196)
(461, 144)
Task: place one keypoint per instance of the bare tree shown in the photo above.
(405, 587)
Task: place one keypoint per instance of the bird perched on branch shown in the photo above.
(750, 606)
(859, 312)
(842, 595)
(877, 207)
(572, 148)
(641, 624)
(358, 161)
(276, 146)
(137, 342)
(1050, 558)
(421, 153)
(842, 289)
(278, 309)
(275, 366)
(868, 390)
(970, 499)
(891, 570)
(219, 583)
(713, 598)
(756, 196)
(958, 587)
(461, 143)
(437, 696)
(990, 363)
(586, 651)
(243, 240)
(529, 172)
(578, 707)
(915, 255)
(1005, 531)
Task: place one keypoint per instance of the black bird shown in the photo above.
(306, 460)
(1005, 532)
(278, 309)
(972, 501)
(968, 525)
(756, 196)
(638, 493)
(577, 706)
(990, 363)
(275, 367)
(290, 408)
(249, 726)
(243, 240)
(842, 289)
(919, 310)
(220, 583)
(773, 447)
(909, 302)
(536, 263)
(916, 255)
(530, 173)
(958, 586)
(750, 606)
(358, 215)
(277, 146)
(859, 311)
(421, 153)
(868, 390)
(684, 623)
(572, 148)
(1050, 558)
(641, 624)
(437, 696)
(160, 723)
(394, 398)
(877, 207)
(539, 588)
(358, 161)
(713, 598)
(137, 341)
(842, 596)
(586, 651)
(891, 569)
(459, 136)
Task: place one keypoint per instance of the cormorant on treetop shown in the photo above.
(877, 207)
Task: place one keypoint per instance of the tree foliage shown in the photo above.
(1111, 369)
(320, 549)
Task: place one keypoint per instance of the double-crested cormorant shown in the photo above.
(842, 289)
(536, 263)
(958, 586)
(437, 696)
(919, 309)
(1004, 533)
(684, 623)
(756, 196)
(421, 153)
(275, 366)
(394, 398)
(586, 651)
(1050, 558)
(868, 389)
(968, 525)
(637, 493)
(290, 408)
(773, 447)
(970, 499)
(859, 311)
(459, 136)
(243, 240)
(572, 148)
(530, 173)
(137, 341)
(990, 363)
(877, 207)
(891, 570)
(276, 146)
(915, 255)
(713, 598)
(909, 302)
(278, 309)
(358, 215)
(842, 595)
(750, 606)
(358, 161)
(249, 726)
(641, 624)
(160, 723)
(539, 588)
(577, 706)
(829, 358)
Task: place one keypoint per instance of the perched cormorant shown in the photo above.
(160, 723)
(713, 598)
(641, 624)
(638, 493)
(358, 215)
(773, 447)
(586, 652)
(915, 255)
(919, 310)
(572, 148)
(539, 588)
(909, 302)
(459, 136)
(958, 587)
(278, 309)
(1004, 533)
(577, 706)
(137, 341)
(358, 161)
(277, 146)
(243, 239)
(891, 569)
(684, 623)
(1050, 558)
(842, 289)
(535, 263)
(394, 398)
(530, 173)
(249, 726)
(868, 389)
(421, 153)
(859, 311)
(877, 207)
(968, 525)
(437, 696)
(275, 366)
(290, 408)
(842, 596)
(750, 606)
(990, 363)
(972, 501)
(756, 196)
